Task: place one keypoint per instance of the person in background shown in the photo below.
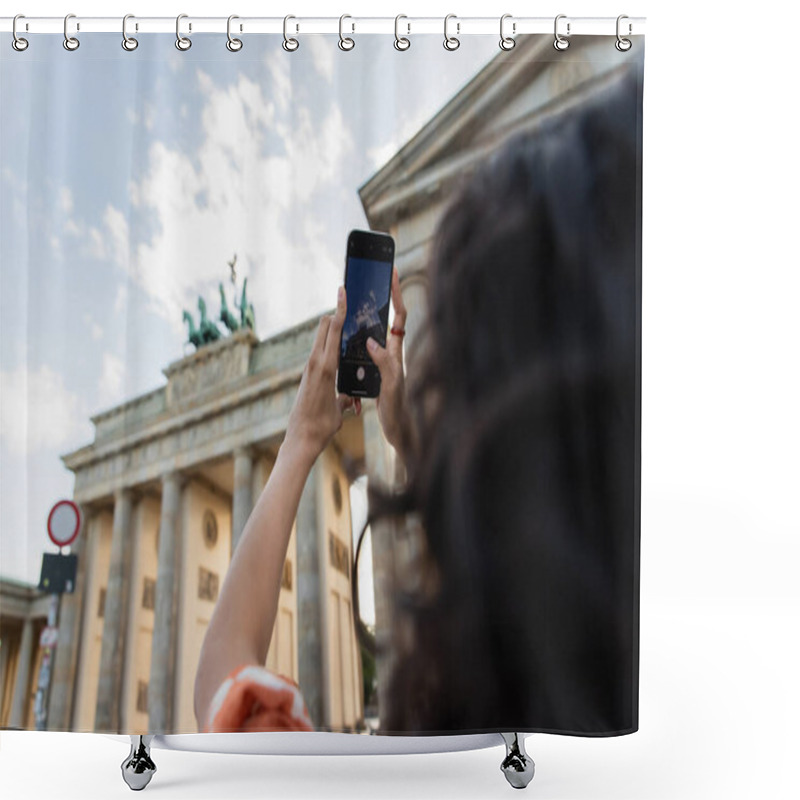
(517, 425)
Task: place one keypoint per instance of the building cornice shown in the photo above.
(457, 120)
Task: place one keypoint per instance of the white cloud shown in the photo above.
(322, 54)
(121, 299)
(174, 59)
(379, 155)
(240, 109)
(108, 243)
(111, 390)
(17, 183)
(72, 228)
(233, 195)
(133, 193)
(278, 66)
(65, 197)
(17, 194)
(95, 244)
(95, 329)
(316, 153)
(149, 116)
(116, 226)
(260, 159)
(55, 247)
(38, 412)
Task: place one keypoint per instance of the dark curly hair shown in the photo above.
(521, 611)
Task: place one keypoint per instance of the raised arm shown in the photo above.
(244, 616)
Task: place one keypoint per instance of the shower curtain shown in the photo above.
(174, 226)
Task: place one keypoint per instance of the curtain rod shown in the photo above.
(404, 25)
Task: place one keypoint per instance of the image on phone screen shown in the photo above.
(368, 281)
(368, 289)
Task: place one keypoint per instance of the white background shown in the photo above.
(719, 699)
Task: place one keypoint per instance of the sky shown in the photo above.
(128, 180)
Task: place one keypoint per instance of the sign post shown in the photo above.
(57, 577)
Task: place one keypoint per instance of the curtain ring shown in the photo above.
(18, 43)
(181, 42)
(400, 42)
(560, 43)
(233, 44)
(128, 42)
(623, 45)
(70, 42)
(289, 45)
(451, 42)
(345, 43)
(507, 42)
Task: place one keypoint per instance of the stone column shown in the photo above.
(262, 467)
(312, 668)
(109, 688)
(414, 287)
(62, 691)
(21, 698)
(87, 613)
(242, 492)
(379, 459)
(161, 687)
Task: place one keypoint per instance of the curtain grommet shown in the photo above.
(560, 43)
(17, 42)
(507, 42)
(345, 42)
(401, 43)
(129, 43)
(183, 43)
(623, 45)
(71, 43)
(289, 44)
(451, 43)
(233, 44)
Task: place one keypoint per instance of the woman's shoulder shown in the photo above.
(254, 698)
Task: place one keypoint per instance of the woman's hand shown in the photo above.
(389, 360)
(317, 411)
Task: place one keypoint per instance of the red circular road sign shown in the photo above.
(63, 523)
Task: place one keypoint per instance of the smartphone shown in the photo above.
(368, 285)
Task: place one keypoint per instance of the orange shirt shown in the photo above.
(253, 698)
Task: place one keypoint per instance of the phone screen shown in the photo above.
(368, 283)
(368, 289)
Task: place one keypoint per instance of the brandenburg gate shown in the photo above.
(166, 488)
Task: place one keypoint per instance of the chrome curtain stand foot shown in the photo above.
(517, 766)
(138, 768)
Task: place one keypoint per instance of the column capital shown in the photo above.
(245, 450)
(128, 494)
(88, 510)
(265, 453)
(415, 276)
(123, 493)
(178, 477)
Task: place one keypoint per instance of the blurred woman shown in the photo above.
(518, 427)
